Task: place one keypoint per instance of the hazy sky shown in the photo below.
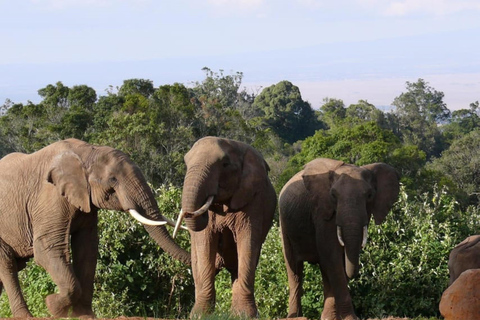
(345, 49)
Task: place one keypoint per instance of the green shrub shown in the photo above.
(134, 276)
(403, 271)
(404, 265)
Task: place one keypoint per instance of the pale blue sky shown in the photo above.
(345, 49)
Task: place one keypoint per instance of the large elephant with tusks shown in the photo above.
(228, 204)
(49, 202)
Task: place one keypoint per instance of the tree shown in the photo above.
(286, 113)
(78, 119)
(418, 112)
(461, 164)
(220, 106)
(462, 122)
(364, 111)
(361, 144)
(137, 86)
(55, 95)
(333, 112)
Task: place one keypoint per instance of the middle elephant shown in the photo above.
(228, 204)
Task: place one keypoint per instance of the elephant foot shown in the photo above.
(22, 314)
(244, 309)
(57, 306)
(83, 312)
(294, 315)
(200, 309)
(329, 311)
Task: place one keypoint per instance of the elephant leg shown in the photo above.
(243, 299)
(54, 258)
(329, 308)
(9, 280)
(84, 256)
(338, 302)
(204, 251)
(295, 280)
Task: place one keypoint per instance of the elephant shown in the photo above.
(228, 204)
(466, 255)
(49, 202)
(324, 211)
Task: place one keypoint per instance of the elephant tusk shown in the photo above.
(339, 236)
(179, 223)
(365, 236)
(204, 208)
(194, 214)
(144, 220)
(172, 223)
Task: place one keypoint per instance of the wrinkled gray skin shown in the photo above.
(466, 255)
(325, 195)
(231, 233)
(55, 193)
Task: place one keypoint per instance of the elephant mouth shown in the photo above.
(192, 215)
(364, 237)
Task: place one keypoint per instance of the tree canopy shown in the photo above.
(436, 151)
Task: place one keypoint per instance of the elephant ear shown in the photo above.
(387, 186)
(69, 176)
(254, 175)
(317, 178)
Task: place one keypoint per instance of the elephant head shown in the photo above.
(219, 171)
(351, 195)
(92, 177)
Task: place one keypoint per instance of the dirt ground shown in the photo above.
(143, 318)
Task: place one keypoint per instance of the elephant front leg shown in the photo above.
(337, 300)
(243, 299)
(204, 250)
(84, 255)
(54, 258)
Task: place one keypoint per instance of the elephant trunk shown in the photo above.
(146, 205)
(199, 188)
(352, 239)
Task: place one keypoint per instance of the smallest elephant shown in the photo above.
(466, 255)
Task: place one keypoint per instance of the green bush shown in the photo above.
(403, 271)
(404, 265)
(134, 276)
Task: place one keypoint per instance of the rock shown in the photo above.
(461, 301)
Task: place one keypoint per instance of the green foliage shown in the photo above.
(36, 285)
(286, 113)
(462, 122)
(361, 144)
(404, 265)
(418, 112)
(460, 163)
(134, 276)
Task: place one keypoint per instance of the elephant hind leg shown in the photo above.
(295, 279)
(9, 280)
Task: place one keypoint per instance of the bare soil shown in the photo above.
(148, 318)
